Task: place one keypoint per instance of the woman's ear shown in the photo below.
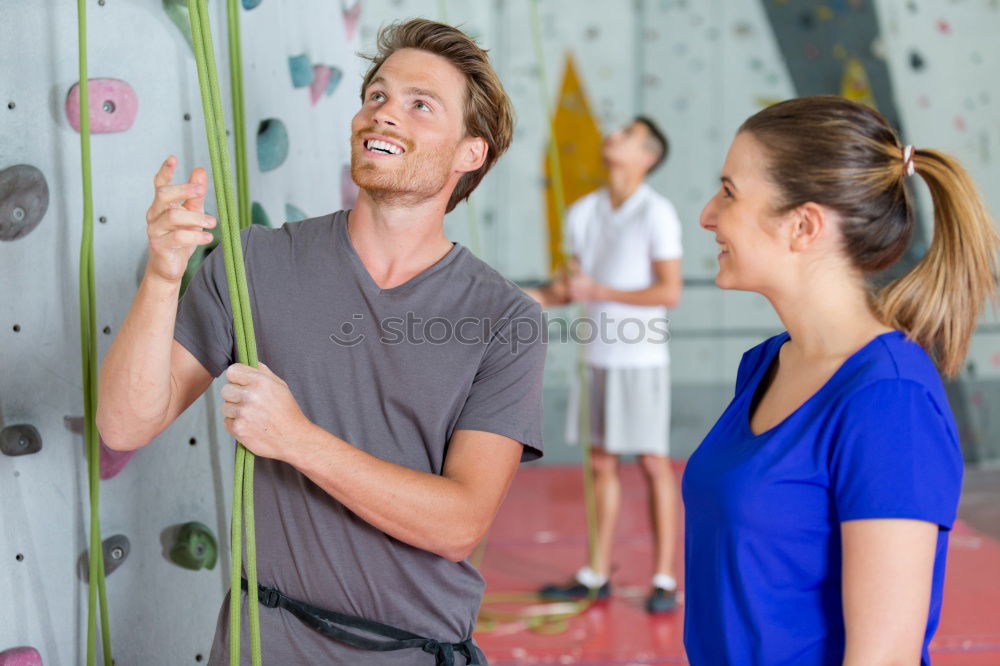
(809, 226)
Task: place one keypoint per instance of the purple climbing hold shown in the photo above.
(20, 656)
(321, 76)
(351, 14)
(113, 462)
(113, 106)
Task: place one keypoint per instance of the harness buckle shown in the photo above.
(269, 596)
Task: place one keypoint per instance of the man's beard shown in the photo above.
(413, 182)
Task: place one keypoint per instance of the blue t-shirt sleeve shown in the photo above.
(896, 455)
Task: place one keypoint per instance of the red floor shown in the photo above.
(539, 536)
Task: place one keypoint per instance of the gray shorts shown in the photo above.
(629, 410)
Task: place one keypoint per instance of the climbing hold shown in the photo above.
(113, 462)
(24, 198)
(272, 144)
(301, 70)
(115, 548)
(351, 14)
(335, 76)
(348, 188)
(250, 4)
(321, 76)
(259, 216)
(20, 440)
(916, 61)
(113, 105)
(855, 85)
(20, 656)
(293, 213)
(195, 547)
(194, 262)
(177, 11)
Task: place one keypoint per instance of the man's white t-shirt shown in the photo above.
(616, 248)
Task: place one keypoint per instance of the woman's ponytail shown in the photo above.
(938, 302)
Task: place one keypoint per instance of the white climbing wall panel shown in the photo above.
(160, 613)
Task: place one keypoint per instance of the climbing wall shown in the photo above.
(700, 68)
(300, 82)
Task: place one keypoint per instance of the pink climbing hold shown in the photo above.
(112, 462)
(20, 656)
(113, 106)
(351, 15)
(321, 76)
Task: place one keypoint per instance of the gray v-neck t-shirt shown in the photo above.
(394, 372)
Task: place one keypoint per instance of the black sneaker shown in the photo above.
(661, 601)
(573, 591)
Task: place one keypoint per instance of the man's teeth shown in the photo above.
(384, 146)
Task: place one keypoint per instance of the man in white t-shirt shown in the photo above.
(626, 244)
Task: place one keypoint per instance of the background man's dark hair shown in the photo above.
(660, 146)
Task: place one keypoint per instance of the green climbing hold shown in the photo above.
(336, 74)
(177, 11)
(250, 4)
(197, 257)
(195, 547)
(301, 70)
(272, 144)
(293, 213)
(259, 216)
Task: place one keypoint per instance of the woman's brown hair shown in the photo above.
(845, 156)
(488, 111)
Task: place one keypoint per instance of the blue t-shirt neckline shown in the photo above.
(833, 380)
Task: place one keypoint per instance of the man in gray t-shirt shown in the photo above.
(402, 383)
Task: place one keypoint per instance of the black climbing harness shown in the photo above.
(335, 625)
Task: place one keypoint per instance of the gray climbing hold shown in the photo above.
(24, 198)
(20, 440)
(259, 216)
(116, 549)
(272, 144)
(250, 4)
(301, 70)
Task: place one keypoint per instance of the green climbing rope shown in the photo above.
(470, 210)
(553, 618)
(239, 121)
(230, 220)
(88, 352)
(560, 195)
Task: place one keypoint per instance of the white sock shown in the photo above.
(664, 581)
(590, 578)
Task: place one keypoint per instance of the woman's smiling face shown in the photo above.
(742, 216)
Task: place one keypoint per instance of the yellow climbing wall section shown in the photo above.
(579, 140)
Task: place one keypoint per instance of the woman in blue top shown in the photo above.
(818, 507)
